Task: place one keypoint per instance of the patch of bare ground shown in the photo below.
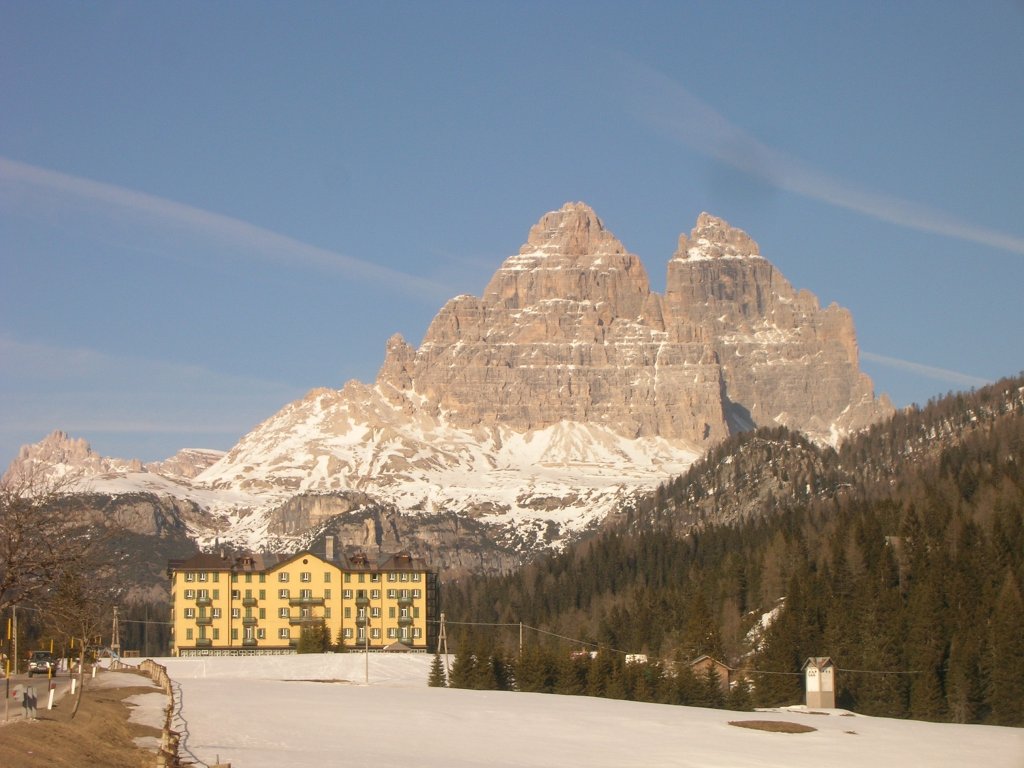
(100, 734)
(773, 726)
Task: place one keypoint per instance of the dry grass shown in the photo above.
(775, 726)
(100, 734)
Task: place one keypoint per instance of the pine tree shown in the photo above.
(1005, 656)
(437, 678)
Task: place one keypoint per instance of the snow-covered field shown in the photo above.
(314, 711)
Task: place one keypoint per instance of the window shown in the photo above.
(283, 633)
(263, 613)
(348, 577)
(248, 593)
(362, 578)
(248, 578)
(236, 613)
(282, 594)
(190, 613)
(248, 633)
(327, 577)
(327, 594)
(415, 612)
(216, 594)
(203, 575)
(263, 578)
(415, 577)
(203, 594)
(416, 594)
(347, 633)
(391, 612)
(375, 633)
(188, 634)
(216, 577)
(263, 594)
(405, 613)
(375, 594)
(375, 577)
(305, 576)
(190, 594)
(404, 577)
(417, 632)
(375, 612)
(392, 594)
(234, 578)
(392, 577)
(327, 612)
(234, 633)
(282, 576)
(405, 593)
(261, 634)
(216, 613)
(236, 594)
(216, 634)
(306, 594)
(348, 613)
(347, 594)
(189, 576)
(392, 632)
(282, 613)
(361, 634)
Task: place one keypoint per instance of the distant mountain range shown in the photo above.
(525, 418)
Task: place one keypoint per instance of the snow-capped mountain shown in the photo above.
(538, 408)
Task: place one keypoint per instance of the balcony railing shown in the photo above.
(296, 620)
(248, 621)
(249, 602)
(204, 642)
(204, 621)
(204, 601)
(305, 602)
(250, 642)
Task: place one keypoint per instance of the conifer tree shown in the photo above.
(1005, 656)
(437, 678)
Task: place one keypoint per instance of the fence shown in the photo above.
(167, 755)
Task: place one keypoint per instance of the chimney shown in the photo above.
(329, 547)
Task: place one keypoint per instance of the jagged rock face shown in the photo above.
(530, 413)
(569, 330)
(784, 360)
(49, 460)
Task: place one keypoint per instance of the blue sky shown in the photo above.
(208, 209)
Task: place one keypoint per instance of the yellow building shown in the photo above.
(259, 603)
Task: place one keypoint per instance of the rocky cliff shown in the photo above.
(528, 414)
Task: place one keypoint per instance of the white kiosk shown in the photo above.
(820, 682)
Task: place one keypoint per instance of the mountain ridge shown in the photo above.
(557, 396)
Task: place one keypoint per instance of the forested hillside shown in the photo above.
(901, 556)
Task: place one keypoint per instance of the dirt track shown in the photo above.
(100, 736)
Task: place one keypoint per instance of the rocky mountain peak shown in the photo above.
(714, 238)
(569, 255)
(571, 232)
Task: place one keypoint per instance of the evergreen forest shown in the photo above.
(899, 555)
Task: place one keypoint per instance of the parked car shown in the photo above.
(41, 663)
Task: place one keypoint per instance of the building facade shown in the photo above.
(259, 603)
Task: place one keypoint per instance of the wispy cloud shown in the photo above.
(928, 371)
(255, 240)
(674, 110)
(82, 390)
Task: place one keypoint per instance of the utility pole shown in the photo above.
(14, 655)
(115, 637)
(442, 643)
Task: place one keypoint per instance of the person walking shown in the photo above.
(28, 703)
